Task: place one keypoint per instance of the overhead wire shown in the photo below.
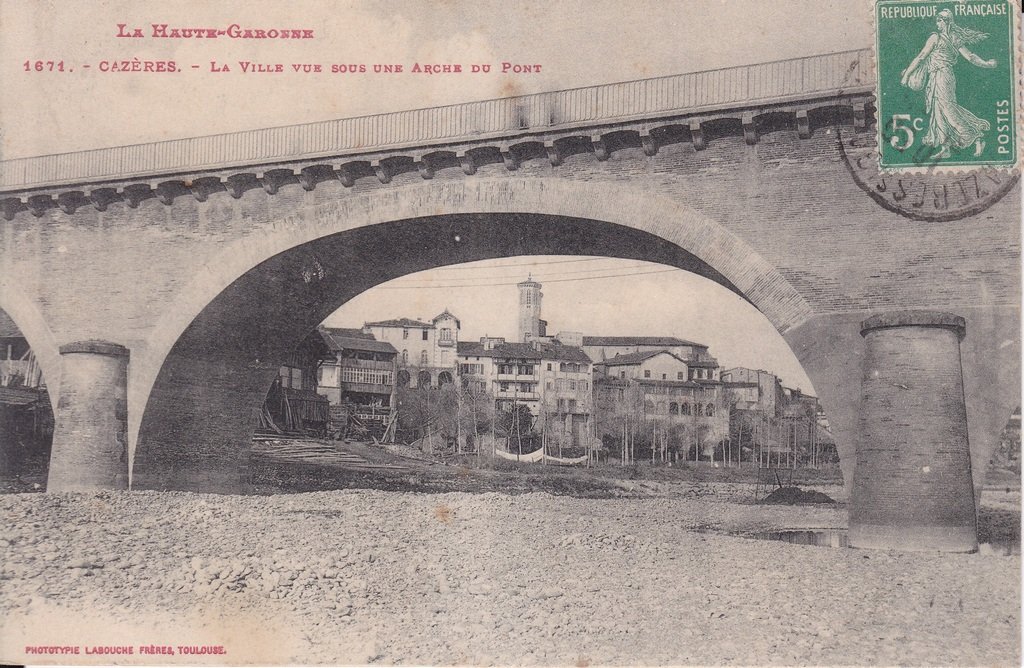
(494, 285)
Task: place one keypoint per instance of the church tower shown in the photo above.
(530, 324)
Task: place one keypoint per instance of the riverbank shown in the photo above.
(371, 576)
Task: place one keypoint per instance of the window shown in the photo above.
(424, 359)
(529, 297)
(426, 335)
(549, 384)
(525, 370)
(584, 386)
(664, 376)
(446, 333)
(525, 387)
(622, 374)
(368, 376)
(504, 387)
(673, 408)
(711, 410)
(405, 332)
(685, 409)
(572, 384)
(403, 378)
(647, 373)
(680, 376)
(700, 409)
(405, 357)
(549, 366)
(297, 378)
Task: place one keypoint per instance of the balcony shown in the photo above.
(517, 376)
(520, 396)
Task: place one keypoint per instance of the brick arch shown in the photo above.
(33, 326)
(712, 250)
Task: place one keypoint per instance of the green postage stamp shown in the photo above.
(947, 83)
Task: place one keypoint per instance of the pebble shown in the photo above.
(587, 582)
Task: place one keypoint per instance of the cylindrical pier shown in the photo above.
(912, 487)
(90, 440)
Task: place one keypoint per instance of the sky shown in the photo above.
(575, 43)
(656, 301)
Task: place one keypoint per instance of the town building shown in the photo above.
(360, 377)
(700, 364)
(293, 404)
(551, 380)
(26, 417)
(655, 388)
(754, 390)
(426, 350)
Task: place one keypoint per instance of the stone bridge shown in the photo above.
(162, 284)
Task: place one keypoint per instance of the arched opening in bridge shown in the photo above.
(200, 414)
(26, 416)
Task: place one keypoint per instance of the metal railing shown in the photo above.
(822, 75)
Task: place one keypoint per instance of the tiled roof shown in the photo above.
(447, 313)
(336, 340)
(400, 322)
(667, 341)
(525, 351)
(636, 358)
(354, 332)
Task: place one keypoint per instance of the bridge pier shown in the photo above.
(90, 442)
(912, 487)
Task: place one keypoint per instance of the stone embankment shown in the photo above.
(367, 576)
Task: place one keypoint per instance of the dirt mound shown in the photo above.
(794, 495)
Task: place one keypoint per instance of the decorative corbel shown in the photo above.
(803, 124)
(749, 129)
(697, 136)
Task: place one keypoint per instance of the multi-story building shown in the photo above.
(754, 390)
(293, 404)
(700, 364)
(361, 374)
(551, 380)
(657, 386)
(426, 350)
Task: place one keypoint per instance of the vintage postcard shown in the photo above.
(551, 333)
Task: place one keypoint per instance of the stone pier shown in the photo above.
(90, 442)
(912, 486)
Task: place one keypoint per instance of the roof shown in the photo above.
(526, 351)
(636, 358)
(666, 341)
(354, 332)
(8, 330)
(703, 364)
(400, 322)
(449, 314)
(336, 339)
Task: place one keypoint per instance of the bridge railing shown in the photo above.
(745, 85)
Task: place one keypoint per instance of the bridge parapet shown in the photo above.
(798, 94)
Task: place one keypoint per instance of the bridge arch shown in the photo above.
(30, 321)
(238, 316)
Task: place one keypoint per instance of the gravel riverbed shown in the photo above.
(369, 576)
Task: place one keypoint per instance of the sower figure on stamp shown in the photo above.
(950, 125)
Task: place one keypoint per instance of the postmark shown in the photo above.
(946, 85)
(932, 195)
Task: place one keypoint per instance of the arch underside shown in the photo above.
(201, 412)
